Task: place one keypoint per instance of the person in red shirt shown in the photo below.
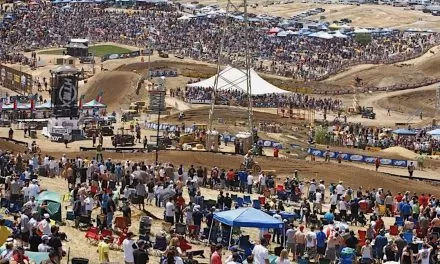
(398, 197)
(275, 152)
(230, 176)
(423, 200)
(216, 257)
(379, 224)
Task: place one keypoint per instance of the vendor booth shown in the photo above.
(402, 132)
(53, 200)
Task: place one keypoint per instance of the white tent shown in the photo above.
(234, 79)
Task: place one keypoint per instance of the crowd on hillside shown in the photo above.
(358, 136)
(319, 226)
(288, 100)
(301, 57)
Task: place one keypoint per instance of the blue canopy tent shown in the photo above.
(404, 132)
(246, 217)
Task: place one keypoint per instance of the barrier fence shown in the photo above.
(361, 158)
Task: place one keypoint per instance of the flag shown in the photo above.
(32, 100)
(99, 97)
(81, 102)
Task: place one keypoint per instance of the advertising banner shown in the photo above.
(360, 158)
(199, 101)
(65, 96)
(125, 55)
(163, 72)
(15, 80)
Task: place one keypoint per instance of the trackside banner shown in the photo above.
(360, 158)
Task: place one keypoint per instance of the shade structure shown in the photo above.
(94, 104)
(53, 200)
(247, 217)
(235, 79)
(435, 132)
(403, 131)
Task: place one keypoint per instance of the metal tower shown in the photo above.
(246, 71)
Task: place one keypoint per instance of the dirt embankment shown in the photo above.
(410, 72)
(412, 103)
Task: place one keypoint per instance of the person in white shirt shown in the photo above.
(89, 203)
(424, 253)
(250, 182)
(127, 246)
(170, 209)
(317, 203)
(34, 189)
(311, 243)
(321, 187)
(31, 204)
(342, 208)
(43, 246)
(333, 201)
(277, 231)
(25, 192)
(260, 253)
(262, 183)
(340, 189)
(44, 225)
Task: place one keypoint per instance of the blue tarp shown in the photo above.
(435, 132)
(247, 217)
(403, 131)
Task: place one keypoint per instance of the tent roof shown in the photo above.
(403, 131)
(435, 132)
(94, 104)
(50, 196)
(234, 79)
(247, 217)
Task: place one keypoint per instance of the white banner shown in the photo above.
(199, 101)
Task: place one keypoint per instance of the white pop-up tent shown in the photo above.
(234, 79)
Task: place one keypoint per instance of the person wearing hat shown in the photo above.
(43, 246)
(127, 246)
(44, 225)
(104, 249)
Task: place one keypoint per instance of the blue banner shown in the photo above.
(359, 158)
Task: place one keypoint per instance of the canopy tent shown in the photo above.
(435, 132)
(247, 217)
(53, 203)
(234, 79)
(94, 104)
(404, 132)
(338, 34)
(321, 34)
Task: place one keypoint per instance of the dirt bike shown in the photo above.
(253, 166)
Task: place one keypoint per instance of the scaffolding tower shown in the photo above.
(246, 70)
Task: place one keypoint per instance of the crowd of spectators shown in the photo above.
(44, 25)
(288, 100)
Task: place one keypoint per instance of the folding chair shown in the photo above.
(247, 200)
(180, 229)
(399, 221)
(256, 204)
(234, 197)
(92, 234)
(394, 230)
(262, 200)
(240, 201)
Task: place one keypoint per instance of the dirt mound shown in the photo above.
(409, 72)
(403, 152)
(11, 146)
(118, 87)
(411, 103)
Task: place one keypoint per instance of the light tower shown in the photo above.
(246, 70)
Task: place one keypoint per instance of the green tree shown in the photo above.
(321, 135)
(363, 38)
